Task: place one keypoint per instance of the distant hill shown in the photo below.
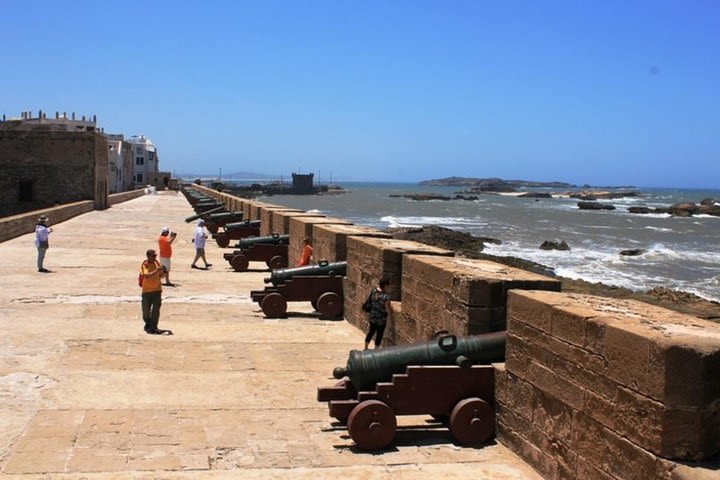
(493, 182)
(230, 176)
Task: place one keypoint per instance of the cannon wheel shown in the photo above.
(239, 263)
(212, 228)
(278, 261)
(330, 305)
(274, 305)
(372, 425)
(472, 421)
(222, 240)
(314, 304)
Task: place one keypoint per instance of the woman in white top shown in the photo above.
(42, 237)
(199, 237)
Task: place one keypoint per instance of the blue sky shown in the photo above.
(607, 93)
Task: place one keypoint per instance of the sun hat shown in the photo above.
(201, 222)
(165, 229)
(43, 218)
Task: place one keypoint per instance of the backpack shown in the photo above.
(367, 305)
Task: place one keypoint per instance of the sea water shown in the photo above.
(680, 253)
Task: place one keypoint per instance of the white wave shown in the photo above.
(314, 210)
(419, 221)
(704, 215)
(659, 229)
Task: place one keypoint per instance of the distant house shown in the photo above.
(145, 159)
(120, 163)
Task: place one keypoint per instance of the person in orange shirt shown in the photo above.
(165, 242)
(306, 255)
(151, 273)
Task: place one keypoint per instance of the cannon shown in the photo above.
(214, 221)
(204, 214)
(203, 206)
(450, 379)
(271, 249)
(321, 285)
(237, 231)
(280, 275)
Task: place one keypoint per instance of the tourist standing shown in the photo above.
(165, 243)
(379, 311)
(199, 237)
(151, 273)
(42, 241)
(306, 254)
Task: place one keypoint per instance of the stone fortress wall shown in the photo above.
(591, 388)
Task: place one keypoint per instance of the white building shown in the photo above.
(145, 159)
(120, 163)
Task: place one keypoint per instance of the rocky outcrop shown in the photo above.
(595, 194)
(632, 252)
(707, 206)
(595, 206)
(463, 243)
(554, 245)
(535, 195)
(420, 196)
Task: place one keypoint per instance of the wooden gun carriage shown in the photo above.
(271, 249)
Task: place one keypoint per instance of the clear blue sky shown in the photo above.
(609, 92)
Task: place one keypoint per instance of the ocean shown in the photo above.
(680, 253)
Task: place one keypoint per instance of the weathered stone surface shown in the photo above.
(301, 227)
(281, 219)
(641, 372)
(267, 217)
(330, 241)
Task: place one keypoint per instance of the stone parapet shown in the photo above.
(370, 259)
(330, 241)
(301, 227)
(116, 198)
(16, 225)
(459, 295)
(281, 219)
(266, 219)
(603, 388)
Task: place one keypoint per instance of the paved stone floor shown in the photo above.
(85, 393)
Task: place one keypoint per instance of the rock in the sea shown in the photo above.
(421, 196)
(535, 195)
(642, 210)
(466, 197)
(632, 252)
(686, 209)
(554, 245)
(594, 206)
(460, 242)
(707, 201)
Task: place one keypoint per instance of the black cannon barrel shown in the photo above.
(274, 239)
(214, 217)
(245, 224)
(281, 275)
(368, 367)
(204, 214)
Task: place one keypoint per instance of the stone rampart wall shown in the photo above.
(267, 220)
(301, 227)
(592, 387)
(16, 225)
(116, 198)
(602, 388)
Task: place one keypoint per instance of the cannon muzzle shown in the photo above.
(274, 239)
(243, 224)
(368, 367)
(204, 214)
(324, 268)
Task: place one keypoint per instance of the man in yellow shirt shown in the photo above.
(151, 273)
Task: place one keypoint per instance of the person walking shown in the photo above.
(379, 311)
(199, 237)
(165, 243)
(42, 238)
(151, 273)
(306, 254)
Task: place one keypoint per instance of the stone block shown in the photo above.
(330, 241)
(301, 227)
(267, 217)
(281, 219)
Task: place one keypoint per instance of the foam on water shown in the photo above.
(395, 222)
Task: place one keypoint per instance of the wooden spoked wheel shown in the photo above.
(278, 261)
(472, 421)
(372, 425)
(222, 239)
(239, 263)
(330, 305)
(274, 305)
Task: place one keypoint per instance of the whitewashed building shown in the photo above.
(145, 159)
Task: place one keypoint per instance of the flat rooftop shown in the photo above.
(84, 392)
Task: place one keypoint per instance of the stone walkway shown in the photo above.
(85, 393)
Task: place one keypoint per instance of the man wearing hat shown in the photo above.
(165, 243)
(42, 236)
(199, 237)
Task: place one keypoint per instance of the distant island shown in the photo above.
(493, 184)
